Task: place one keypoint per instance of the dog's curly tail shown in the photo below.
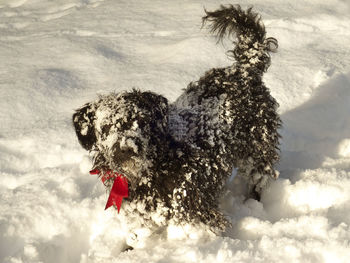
(252, 47)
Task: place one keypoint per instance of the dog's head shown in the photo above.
(123, 130)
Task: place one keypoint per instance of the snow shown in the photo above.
(58, 55)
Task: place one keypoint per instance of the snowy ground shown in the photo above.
(57, 55)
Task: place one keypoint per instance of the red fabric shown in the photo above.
(118, 192)
(119, 189)
(95, 171)
(108, 175)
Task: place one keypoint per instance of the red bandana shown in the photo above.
(119, 189)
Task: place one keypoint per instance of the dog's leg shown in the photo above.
(256, 176)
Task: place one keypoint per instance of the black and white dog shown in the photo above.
(177, 157)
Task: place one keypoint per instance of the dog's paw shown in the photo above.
(138, 238)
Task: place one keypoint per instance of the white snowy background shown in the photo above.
(57, 55)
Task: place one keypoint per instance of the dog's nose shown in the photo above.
(122, 155)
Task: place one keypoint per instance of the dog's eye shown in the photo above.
(106, 128)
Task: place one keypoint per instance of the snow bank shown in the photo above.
(56, 55)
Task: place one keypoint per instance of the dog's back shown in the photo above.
(229, 112)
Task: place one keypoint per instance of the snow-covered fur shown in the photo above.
(177, 157)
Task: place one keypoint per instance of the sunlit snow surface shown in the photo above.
(57, 55)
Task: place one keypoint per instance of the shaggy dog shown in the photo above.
(177, 157)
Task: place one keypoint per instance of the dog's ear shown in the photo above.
(83, 120)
